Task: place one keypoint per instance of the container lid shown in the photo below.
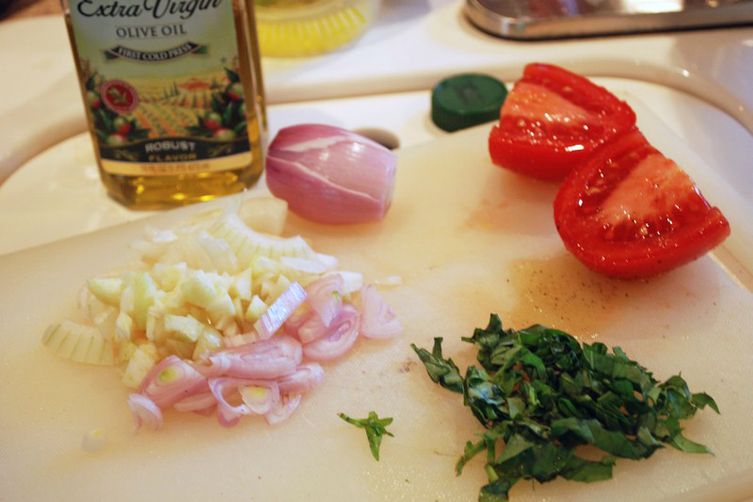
(466, 100)
(294, 28)
(549, 19)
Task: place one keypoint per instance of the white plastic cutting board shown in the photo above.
(467, 239)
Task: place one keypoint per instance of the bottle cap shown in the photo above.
(466, 100)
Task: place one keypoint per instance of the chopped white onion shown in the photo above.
(352, 281)
(249, 244)
(305, 265)
(239, 340)
(94, 440)
(264, 214)
(160, 236)
(329, 261)
(191, 325)
(390, 280)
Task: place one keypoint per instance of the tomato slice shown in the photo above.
(552, 120)
(629, 212)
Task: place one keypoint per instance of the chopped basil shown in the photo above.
(375, 428)
(540, 393)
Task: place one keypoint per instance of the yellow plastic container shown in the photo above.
(290, 28)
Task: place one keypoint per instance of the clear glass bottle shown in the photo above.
(174, 96)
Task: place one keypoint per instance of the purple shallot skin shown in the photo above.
(331, 175)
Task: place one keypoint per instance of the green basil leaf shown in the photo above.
(375, 428)
(700, 400)
(496, 491)
(442, 371)
(588, 471)
(684, 444)
(540, 394)
(514, 447)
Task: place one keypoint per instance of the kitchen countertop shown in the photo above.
(694, 87)
(20, 9)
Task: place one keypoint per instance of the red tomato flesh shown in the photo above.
(630, 212)
(552, 120)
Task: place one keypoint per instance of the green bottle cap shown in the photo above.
(466, 100)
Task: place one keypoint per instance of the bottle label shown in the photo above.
(163, 87)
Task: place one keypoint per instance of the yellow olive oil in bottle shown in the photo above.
(173, 94)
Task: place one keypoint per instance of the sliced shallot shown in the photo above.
(260, 398)
(227, 414)
(341, 336)
(230, 388)
(305, 378)
(281, 344)
(312, 330)
(298, 319)
(325, 297)
(378, 320)
(280, 310)
(170, 381)
(266, 359)
(202, 401)
(145, 412)
(284, 409)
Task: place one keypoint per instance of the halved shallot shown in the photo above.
(331, 175)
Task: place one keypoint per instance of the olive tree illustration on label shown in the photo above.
(225, 120)
(110, 102)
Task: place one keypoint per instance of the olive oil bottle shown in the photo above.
(173, 94)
